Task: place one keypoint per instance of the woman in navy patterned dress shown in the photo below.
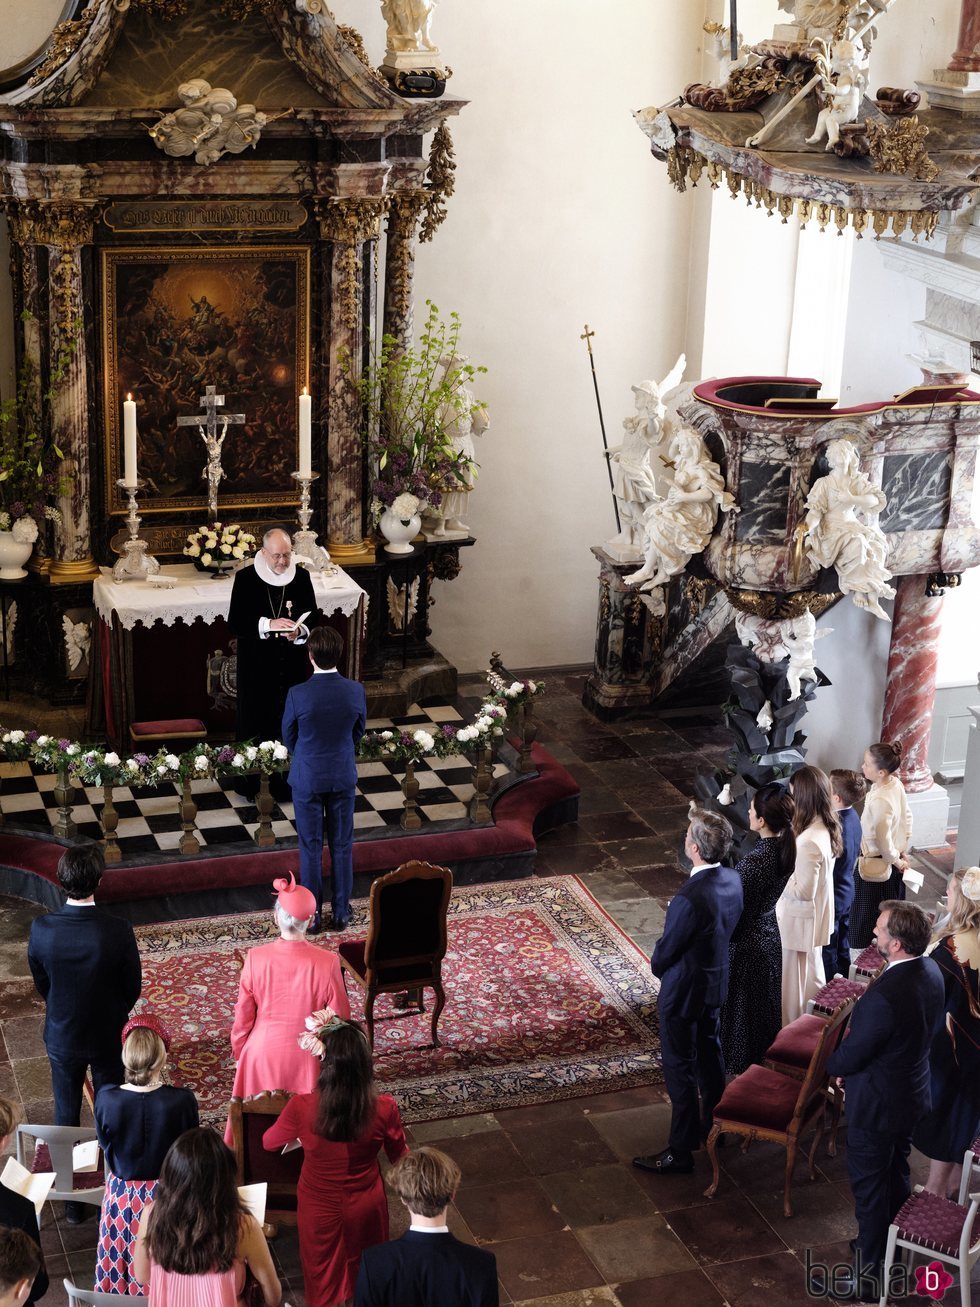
(136, 1124)
(751, 1017)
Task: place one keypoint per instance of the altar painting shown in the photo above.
(178, 320)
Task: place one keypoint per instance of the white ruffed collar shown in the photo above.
(269, 576)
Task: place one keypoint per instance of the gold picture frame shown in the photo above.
(176, 320)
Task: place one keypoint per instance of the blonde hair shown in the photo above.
(143, 1055)
(964, 913)
(425, 1180)
(9, 1117)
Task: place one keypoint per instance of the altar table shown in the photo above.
(152, 643)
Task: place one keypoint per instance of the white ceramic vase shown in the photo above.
(13, 556)
(399, 531)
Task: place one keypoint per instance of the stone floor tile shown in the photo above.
(635, 1249)
(725, 1230)
(574, 833)
(22, 1037)
(18, 997)
(609, 886)
(485, 1158)
(559, 1145)
(662, 880)
(456, 1128)
(821, 1213)
(685, 1288)
(769, 1281)
(33, 1076)
(509, 1210)
(597, 799)
(596, 1195)
(578, 1298)
(638, 917)
(635, 1130)
(539, 1265)
(642, 852)
(621, 825)
(575, 859)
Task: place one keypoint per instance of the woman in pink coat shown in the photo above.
(280, 984)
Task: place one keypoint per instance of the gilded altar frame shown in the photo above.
(176, 319)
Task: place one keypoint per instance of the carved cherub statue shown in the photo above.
(774, 640)
(838, 538)
(210, 123)
(639, 461)
(463, 418)
(408, 24)
(680, 525)
(845, 88)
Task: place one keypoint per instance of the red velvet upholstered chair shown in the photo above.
(406, 939)
(938, 1227)
(765, 1104)
(250, 1119)
(791, 1052)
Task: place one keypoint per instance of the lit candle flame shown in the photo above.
(129, 396)
(305, 391)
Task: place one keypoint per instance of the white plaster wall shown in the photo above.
(560, 217)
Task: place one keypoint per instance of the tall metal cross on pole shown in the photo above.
(208, 427)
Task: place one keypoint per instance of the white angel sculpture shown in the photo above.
(639, 461)
(680, 525)
(838, 538)
(408, 24)
(78, 641)
(462, 418)
(793, 637)
(844, 92)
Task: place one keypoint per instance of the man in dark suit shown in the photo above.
(427, 1266)
(324, 719)
(691, 959)
(846, 788)
(884, 1063)
(86, 967)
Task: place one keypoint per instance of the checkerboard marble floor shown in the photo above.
(149, 819)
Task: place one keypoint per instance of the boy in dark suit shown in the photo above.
(691, 959)
(846, 788)
(884, 1063)
(86, 967)
(324, 719)
(427, 1266)
(20, 1259)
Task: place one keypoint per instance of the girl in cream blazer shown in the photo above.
(805, 913)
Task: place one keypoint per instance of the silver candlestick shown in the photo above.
(134, 564)
(304, 541)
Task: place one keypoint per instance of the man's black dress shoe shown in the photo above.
(339, 923)
(76, 1213)
(666, 1163)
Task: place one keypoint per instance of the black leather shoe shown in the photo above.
(339, 923)
(666, 1163)
(851, 1290)
(76, 1213)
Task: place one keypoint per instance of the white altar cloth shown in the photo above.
(195, 594)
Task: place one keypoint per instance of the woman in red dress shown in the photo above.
(342, 1126)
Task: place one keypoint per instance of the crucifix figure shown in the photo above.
(213, 441)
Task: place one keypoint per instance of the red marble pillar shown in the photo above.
(966, 57)
(910, 689)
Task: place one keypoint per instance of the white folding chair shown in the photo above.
(939, 1228)
(61, 1140)
(92, 1298)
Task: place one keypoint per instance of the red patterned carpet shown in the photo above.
(545, 999)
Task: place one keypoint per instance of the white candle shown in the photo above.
(305, 439)
(129, 441)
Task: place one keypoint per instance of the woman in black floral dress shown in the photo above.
(752, 1015)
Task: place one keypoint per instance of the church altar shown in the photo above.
(155, 643)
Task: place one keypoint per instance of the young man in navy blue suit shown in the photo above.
(691, 959)
(883, 1061)
(323, 721)
(86, 967)
(427, 1266)
(846, 788)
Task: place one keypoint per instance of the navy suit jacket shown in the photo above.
(86, 967)
(691, 957)
(323, 721)
(884, 1056)
(850, 829)
(426, 1270)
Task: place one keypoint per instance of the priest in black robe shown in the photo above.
(272, 610)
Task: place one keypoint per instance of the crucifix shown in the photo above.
(208, 427)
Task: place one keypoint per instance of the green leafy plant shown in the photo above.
(410, 395)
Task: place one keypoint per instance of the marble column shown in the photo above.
(966, 57)
(404, 211)
(910, 694)
(350, 225)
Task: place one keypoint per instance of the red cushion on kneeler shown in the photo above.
(934, 1222)
(759, 1097)
(41, 1165)
(870, 962)
(176, 726)
(834, 995)
(795, 1043)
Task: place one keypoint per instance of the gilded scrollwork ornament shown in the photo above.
(404, 211)
(348, 222)
(440, 181)
(65, 294)
(899, 147)
(59, 223)
(65, 40)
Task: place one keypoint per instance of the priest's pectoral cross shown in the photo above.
(208, 426)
